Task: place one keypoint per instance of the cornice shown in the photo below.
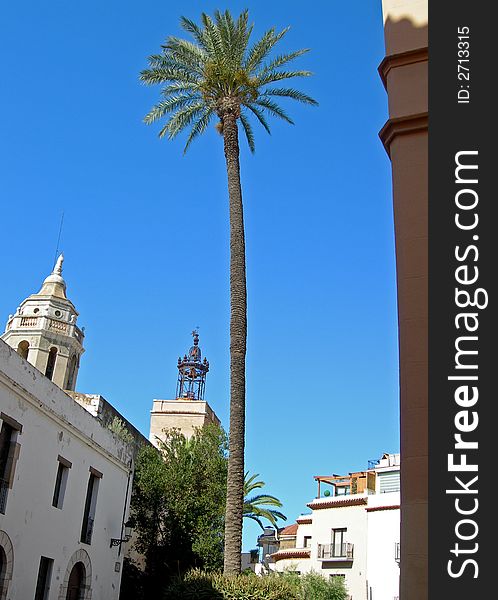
(402, 126)
(376, 508)
(401, 59)
(338, 503)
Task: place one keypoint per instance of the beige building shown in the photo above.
(188, 410)
(405, 75)
(44, 332)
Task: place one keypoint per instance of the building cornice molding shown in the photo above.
(337, 503)
(397, 126)
(389, 507)
(401, 59)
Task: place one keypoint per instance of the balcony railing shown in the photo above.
(4, 489)
(338, 552)
(29, 321)
(397, 552)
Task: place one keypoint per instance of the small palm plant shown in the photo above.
(220, 74)
(260, 506)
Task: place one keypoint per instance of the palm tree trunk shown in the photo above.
(238, 333)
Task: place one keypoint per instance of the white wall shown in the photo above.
(53, 424)
(354, 518)
(383, 533)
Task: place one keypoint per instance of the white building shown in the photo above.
(352, 532)
(65, 479)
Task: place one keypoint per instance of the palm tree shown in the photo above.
(220, 74)
(260, 506)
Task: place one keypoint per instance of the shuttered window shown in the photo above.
(389, 482)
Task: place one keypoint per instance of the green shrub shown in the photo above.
(215, 586)
(316, 587)
(198, 585)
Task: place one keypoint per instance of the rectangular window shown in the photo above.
(307, 541)
(44, 576)
(61, 482)
(9, 453)
(90, 505)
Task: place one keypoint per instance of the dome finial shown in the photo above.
(58, 265)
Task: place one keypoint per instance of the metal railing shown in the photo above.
(4, 490)
(397, 552)
(335, 551)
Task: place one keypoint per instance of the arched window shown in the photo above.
(71, 374)
(23, 349)
(52, 356)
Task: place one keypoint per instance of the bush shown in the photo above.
(215, 586)
(316, 587)
(198, 585)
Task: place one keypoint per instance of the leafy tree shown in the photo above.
(260, 506)
(221, 74)
(178, 504)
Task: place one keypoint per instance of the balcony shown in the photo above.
(397, 552)
(335, 552)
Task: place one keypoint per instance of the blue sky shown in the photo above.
(145, 231)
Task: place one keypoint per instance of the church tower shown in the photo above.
(44, 331)
(189, 410)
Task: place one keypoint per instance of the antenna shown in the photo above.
(58, 238)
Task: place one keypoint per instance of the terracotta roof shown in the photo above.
(291, 553)
(289, 530)
(304, 519)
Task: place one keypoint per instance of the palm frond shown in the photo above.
(198, 33)
(169, 61)
(179, 87)
(262, 48)
(186, 53)
(290, 93)
(263, 499)
(283, 59)
(199, 127)
(181, 119)
(213, 38)
(273, 108)
(248, 131)
(166, 74)
(259, 115)
(166, 106)
(273, 76)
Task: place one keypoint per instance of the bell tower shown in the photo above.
(44, 332)
(192, 373)
(188, 411)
